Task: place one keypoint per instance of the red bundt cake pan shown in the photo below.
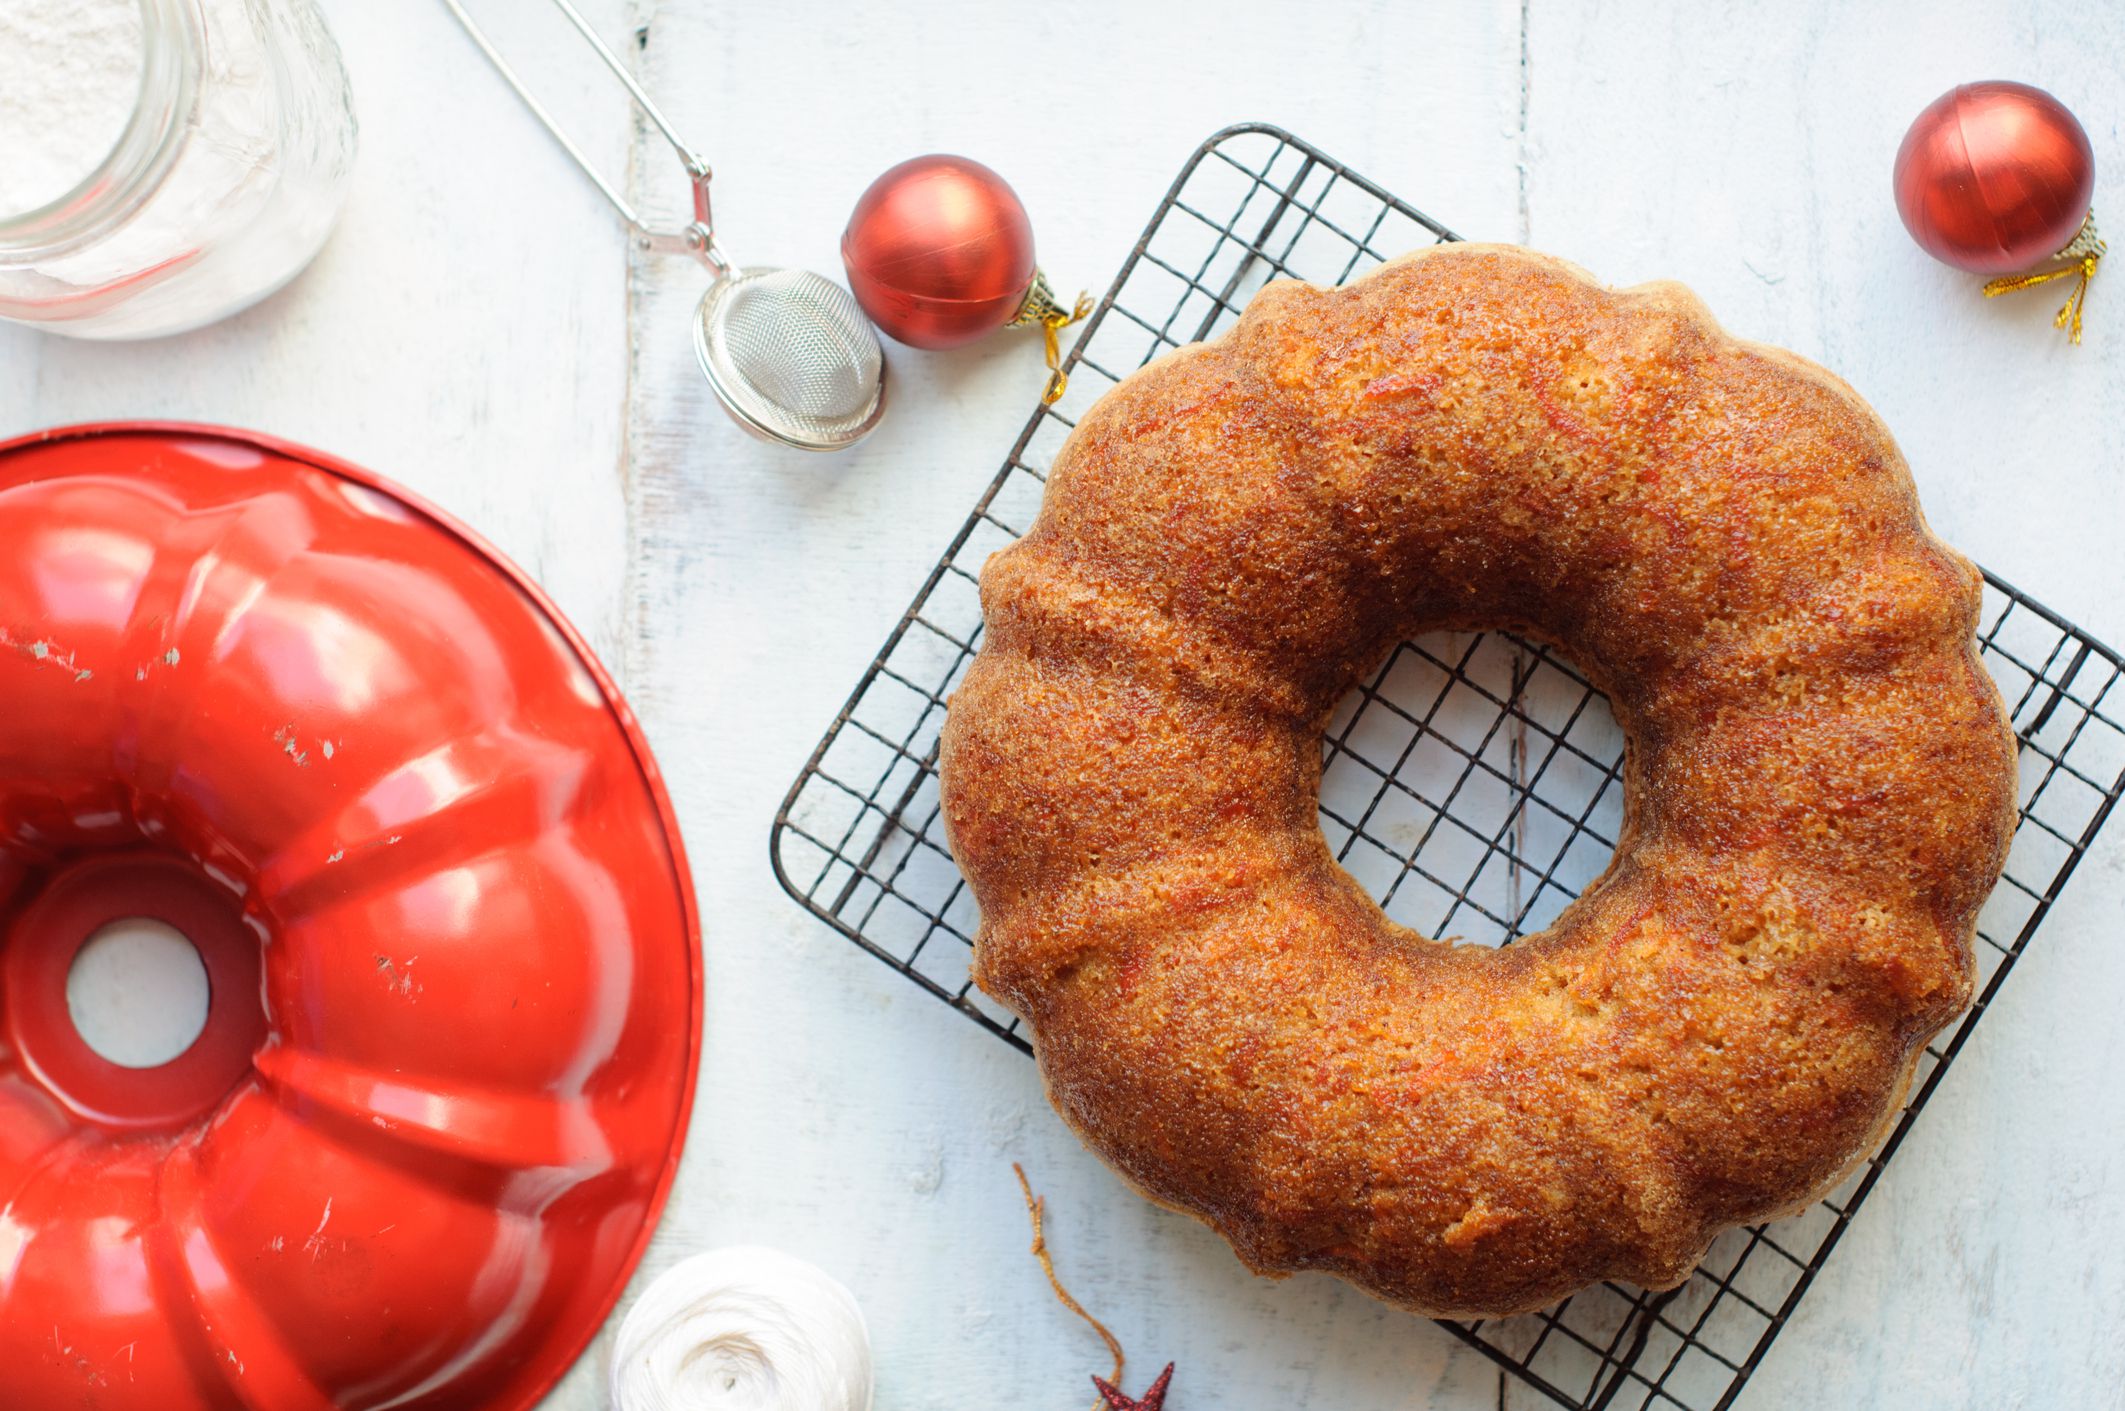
(432, 873)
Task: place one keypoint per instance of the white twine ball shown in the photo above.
(743, 1329)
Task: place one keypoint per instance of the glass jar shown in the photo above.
(224, 183)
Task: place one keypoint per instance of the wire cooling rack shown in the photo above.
(1474, 785)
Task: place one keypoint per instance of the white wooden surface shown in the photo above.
(478, 330)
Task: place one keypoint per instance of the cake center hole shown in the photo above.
(137, 993)
(1474, 786)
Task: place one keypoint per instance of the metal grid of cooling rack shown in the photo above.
(1473, 785)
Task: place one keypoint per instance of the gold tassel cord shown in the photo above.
(1036, 1209)
(2085, 252)
(1040, 307)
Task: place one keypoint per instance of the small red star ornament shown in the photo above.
(1153, 1400)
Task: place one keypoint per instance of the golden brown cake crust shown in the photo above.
(1820, 780)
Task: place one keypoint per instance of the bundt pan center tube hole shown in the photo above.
(137, 992)
(85, 899)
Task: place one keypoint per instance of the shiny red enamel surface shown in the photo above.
(452, 951)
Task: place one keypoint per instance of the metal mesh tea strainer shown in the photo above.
(788, 353)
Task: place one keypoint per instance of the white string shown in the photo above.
(743, 1329)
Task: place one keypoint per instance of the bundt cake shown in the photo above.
(437, 890)
(1820, 781)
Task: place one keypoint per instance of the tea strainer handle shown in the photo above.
(698, 236)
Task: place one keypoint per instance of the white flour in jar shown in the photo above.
(69, 80)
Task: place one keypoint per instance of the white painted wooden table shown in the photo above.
(478, 330)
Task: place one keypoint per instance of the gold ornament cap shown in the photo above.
(2082, 254)
(1040, 307)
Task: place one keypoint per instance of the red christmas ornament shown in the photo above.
(939, 253)
(1996, 178)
